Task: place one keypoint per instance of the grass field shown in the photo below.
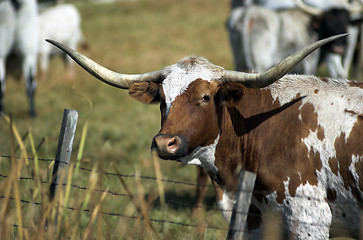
(129, 37)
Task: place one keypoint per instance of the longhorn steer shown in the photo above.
(261, 38)
(300, 134)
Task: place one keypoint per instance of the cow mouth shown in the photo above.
(169, 147)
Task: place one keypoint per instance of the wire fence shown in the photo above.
(112, 174)
(117, 194)
(167, 201)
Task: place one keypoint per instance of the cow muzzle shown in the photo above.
(338, 49)
(169, 147)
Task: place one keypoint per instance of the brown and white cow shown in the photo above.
(301, 135)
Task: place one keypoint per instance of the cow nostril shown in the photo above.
(172, 142)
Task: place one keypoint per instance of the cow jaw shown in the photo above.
(203, 156)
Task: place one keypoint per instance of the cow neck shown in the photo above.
(242, 126)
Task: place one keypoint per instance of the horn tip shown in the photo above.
(55, 43)
(50, 40)
(339, 35)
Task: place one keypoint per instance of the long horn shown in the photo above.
(115, 79)
(254, 80)
(352, 7)
(308, 9)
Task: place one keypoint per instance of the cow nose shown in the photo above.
(167, 147)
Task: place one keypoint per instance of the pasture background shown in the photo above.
(128, 37)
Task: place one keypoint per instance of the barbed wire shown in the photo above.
(26, 227)
(259, 192)
(173, 202)
(117, 175)
(163, 221)
(122, 215)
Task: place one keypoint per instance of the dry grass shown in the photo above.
(129, 37)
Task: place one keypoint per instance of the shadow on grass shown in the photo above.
(186, 199)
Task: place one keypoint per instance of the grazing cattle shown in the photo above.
(300, 134)
(261, 37)
(7, 29)
(19, 35)
(62, 23)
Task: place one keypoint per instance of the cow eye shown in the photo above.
(206, 98)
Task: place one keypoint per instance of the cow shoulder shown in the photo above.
(145, 92)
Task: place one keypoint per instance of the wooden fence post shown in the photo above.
(246, 183)
(64, 150)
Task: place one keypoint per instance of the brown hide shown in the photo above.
(267, 138)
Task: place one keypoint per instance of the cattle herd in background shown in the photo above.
(262, 33)
(261, 37)
(23, 29)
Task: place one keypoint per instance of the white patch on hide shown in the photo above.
(226, 205)
(333, 98)
(329, 98)
(352, 169)
(309, 213)
(203, 156)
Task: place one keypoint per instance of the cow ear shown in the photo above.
(230, 93)
(145, 92)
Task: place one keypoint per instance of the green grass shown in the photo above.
(129, 37)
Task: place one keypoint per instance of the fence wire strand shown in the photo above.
(171, 202)
(263, 193)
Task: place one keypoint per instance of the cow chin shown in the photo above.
(170, 147)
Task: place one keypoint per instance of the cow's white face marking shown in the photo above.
(203, 156)
(181, 75)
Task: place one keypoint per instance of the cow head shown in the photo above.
(332, 21)
(188, 99)
(189, 93)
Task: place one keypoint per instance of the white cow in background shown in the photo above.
(285, 4)
(19, 35)
(317, 18)
(7, 30)
(63, 23)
